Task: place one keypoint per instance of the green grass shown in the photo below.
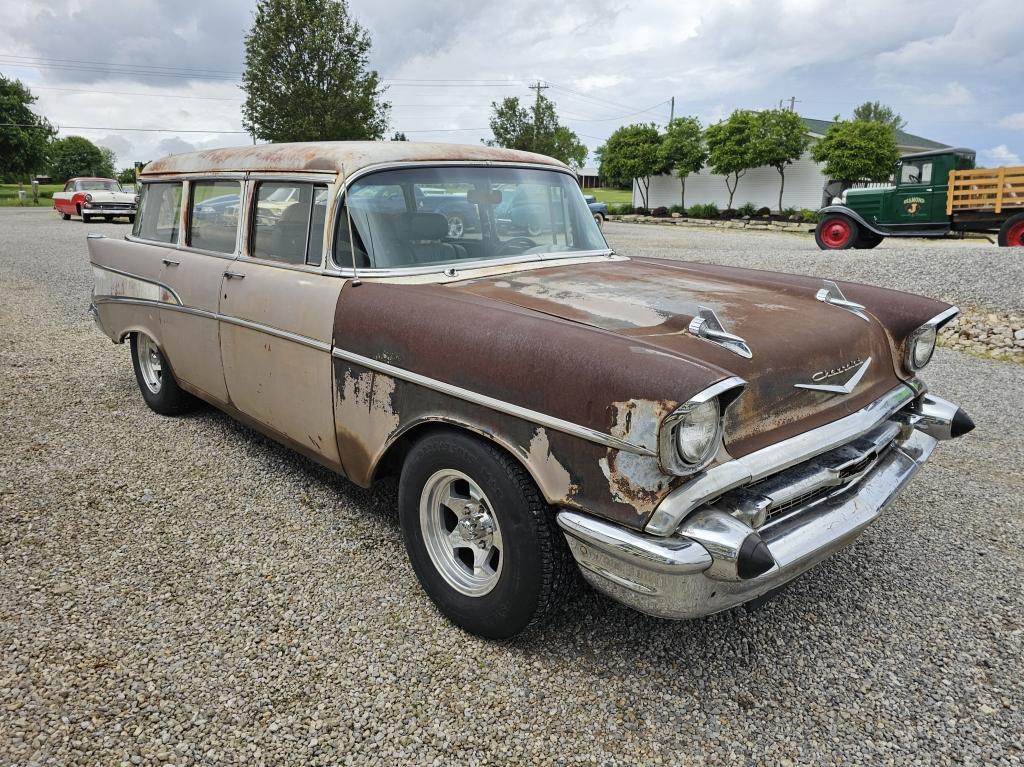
(9, 194)
(611, 196)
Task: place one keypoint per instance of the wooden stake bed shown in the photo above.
(991, 189)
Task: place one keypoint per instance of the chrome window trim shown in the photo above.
(187, 217)
(541, 419)
(248, 235)
(181, 215)
(347, 181)
(712, 482)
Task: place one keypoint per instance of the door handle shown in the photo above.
(234, 276)
(169, 262)
(928, 189)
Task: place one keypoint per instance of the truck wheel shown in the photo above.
(484, 544)
(835, 232)
(1011, 233)
(867, 241)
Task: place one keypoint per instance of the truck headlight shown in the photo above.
(921, 346)
(691, 434)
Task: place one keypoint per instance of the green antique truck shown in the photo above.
(936, 194)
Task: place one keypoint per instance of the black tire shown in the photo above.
(86, 218)
(867, 241)
(66, 216)
(1015, 223)
(131, 219)
(825, 233)
(537, 570)
(599, 220)
(169, 399)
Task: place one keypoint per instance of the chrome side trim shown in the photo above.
(846, 388)
(541, 419)
(712, 482)
(142, 284)
(732, 382)
(706, 325)
(942, 318)
(832, 295)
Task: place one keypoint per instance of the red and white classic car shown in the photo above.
(94, 198)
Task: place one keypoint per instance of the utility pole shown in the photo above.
(672, 111)
(792, 103)
(536, 109)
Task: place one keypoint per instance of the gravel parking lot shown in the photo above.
(184, 591)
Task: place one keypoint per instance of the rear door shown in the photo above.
(277, 316)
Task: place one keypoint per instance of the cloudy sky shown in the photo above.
(953, 69)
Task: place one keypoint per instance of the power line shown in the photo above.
(130, 130)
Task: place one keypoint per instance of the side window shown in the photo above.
(926, 173)
(911, 173)
(159, 212)
(69, 187)
(213, 215)
(288, 225)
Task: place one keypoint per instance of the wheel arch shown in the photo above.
(851, 214)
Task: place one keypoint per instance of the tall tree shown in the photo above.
(77, 156)
(683, 150)
(535, 128)
(399, 136)
(877, 112)
(306, 74)
(24, 135)
(732, 146)
(781, 139)
(633, 154)
(857, 150)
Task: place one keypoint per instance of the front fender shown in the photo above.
(855, 216)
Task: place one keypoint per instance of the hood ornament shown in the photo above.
(831, 294)
(706, 325)
(860, 367)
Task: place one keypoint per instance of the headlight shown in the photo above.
(920, 346)
(88, 198)
(136, 199)
(696, 431)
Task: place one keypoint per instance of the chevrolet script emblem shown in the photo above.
(859, 368)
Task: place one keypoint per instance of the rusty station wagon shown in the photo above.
(690, 436)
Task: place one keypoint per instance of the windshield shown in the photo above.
(98, 184)
(440, 215)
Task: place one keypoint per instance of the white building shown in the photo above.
(760, 186)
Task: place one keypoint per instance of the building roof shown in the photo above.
(333, 157)
(903, 139)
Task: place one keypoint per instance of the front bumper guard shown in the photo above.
(679, 576)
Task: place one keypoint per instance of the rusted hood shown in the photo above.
(792, 335)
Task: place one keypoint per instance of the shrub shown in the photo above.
(762, 212)
(677, 209)
(660, 212)
(621, 209)
(747, 209)
(642, 211)
(789, 212)
(727, 214)
(809, 216)
(709, 210)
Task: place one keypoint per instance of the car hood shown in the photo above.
(794, 338)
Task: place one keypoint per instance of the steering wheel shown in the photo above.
(517, 245)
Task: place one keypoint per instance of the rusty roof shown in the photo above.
(333, 157)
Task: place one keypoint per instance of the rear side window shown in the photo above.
(213, 215)
(288, 225)
(159, 212)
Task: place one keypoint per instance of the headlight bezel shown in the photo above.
(929, 330)
(88, 198)
(719, 396)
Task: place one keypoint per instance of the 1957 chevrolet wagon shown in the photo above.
(690, 436)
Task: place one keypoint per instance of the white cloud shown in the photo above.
(999, 155)
(1012, 122)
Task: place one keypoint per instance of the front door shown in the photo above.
(277, 320)
(913, 201)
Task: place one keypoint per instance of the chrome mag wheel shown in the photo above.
(461, 532)
(456, 227)
(151, 363)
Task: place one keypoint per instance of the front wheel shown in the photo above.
(159, 388)
(1011, 233)
(835, 232)
(482, 541)
(599, 220)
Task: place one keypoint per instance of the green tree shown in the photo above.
(781, 139)
(306, 75)
(732, 148)
(399, 136)
(78, 156)
(535, 128)
(683, 150)
(126, 175)
(877, 112)
(633, 154)
(857, 150)
(24, 135)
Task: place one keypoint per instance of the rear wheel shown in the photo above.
(159, 388)
(599, 220)
(1011, 233)
(483, 543)
(66, 216)
(836, 232)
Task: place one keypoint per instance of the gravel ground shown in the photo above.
(183, 591)
(964, 272)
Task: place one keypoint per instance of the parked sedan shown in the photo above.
(599, 209)
(688, 436)
(94, 198)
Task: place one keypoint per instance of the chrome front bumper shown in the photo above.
(699, 568)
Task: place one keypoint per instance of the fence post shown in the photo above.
(1000, 180)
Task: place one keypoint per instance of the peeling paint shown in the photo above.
(365, 407)
(546, 467)
(634, 479)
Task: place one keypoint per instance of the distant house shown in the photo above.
(804, 180)
(589, 178)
